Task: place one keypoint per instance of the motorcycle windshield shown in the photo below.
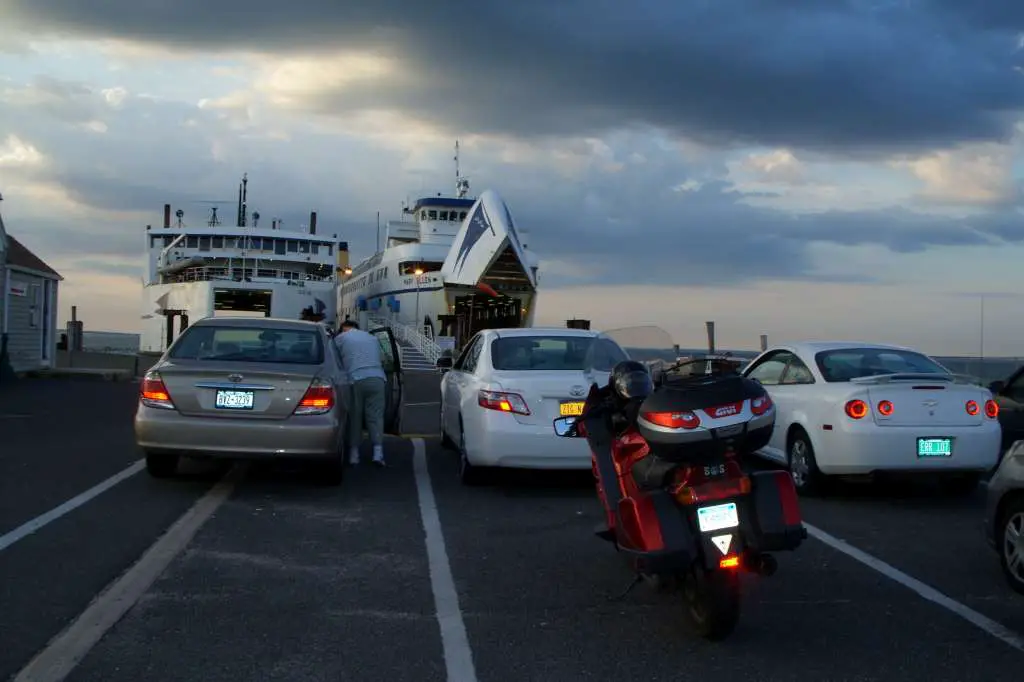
(650, 345)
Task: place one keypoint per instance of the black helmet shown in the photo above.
(631, 381)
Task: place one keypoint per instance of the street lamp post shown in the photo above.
(416, 320)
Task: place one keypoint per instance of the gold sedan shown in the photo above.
(253, 388)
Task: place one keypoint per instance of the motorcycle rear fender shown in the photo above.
(774, 522)
(713, 554)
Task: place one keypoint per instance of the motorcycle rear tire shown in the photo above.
(712, 602)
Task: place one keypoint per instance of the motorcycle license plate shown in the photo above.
(717, 517)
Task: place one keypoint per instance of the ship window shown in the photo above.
(256, 244)
(293, 246)
(167, 240)
(315, 247)
(462, 216)
(444, 215)
(303, 247)
(191, 242)
(218, 242)
(433, 215)
(330, 249)
(204, 243)
(279, 246)
(423, 215)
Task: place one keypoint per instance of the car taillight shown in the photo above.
(856, 409)
(972, 407)
(760, 405)
(885, 408)
(991, 409)
(318, 399)
(732, 561)
(153, 392)
(502, 402)
(673, 420)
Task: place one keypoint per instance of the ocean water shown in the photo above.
(110, 342)
(987, 369)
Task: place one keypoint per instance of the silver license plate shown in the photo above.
(234, 400)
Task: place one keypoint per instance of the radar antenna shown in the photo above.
(180, 214)
(461, 182)
(214, 221)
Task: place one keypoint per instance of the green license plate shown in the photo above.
(934, 447)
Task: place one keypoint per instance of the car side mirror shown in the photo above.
(996, 386)
(567, 427)
(444, 363)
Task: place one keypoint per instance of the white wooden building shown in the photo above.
(28, 306)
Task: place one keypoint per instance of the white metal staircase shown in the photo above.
(419, 352)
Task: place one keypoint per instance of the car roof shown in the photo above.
(812, 347)
(261, 322)
(543, 331)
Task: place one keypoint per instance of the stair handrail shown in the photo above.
(412, 336)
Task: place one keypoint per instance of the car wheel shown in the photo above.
(1011, 545)
(803, 466)
(469, 474)
(161, 464)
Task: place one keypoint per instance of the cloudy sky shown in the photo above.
(799, 168)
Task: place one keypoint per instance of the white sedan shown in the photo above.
(858, 409)
(501, 397)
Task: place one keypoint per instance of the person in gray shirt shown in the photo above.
(361, 359)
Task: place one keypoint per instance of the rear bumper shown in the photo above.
(497, 439)
(306, 437)
(867, 449)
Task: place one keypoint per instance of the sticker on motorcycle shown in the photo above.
(722, 542)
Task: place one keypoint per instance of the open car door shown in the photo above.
(393, 370)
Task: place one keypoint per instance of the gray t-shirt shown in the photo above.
(360, 355)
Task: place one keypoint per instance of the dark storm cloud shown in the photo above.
(858, 76)
(710, 237)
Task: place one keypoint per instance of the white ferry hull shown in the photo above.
(191, 301)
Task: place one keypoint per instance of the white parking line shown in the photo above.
(997, 630)
(458, 657)
(65, 651)
(29, 527)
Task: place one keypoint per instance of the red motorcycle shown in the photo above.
(666, 453)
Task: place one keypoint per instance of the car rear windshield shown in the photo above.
(250, 344)
(853, 363)
(566, 353)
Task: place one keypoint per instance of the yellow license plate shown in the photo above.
(571, 409)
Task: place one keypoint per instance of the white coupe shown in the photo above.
(858, 409)
(501, 397)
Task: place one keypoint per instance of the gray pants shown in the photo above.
(367, 405)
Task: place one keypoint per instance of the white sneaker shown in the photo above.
(353, 456)
(378, 456)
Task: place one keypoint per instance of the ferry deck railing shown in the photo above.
(410, 335)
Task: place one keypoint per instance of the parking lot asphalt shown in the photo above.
(290, 580)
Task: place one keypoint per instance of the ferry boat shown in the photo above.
(450, 267)
(248, 269)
